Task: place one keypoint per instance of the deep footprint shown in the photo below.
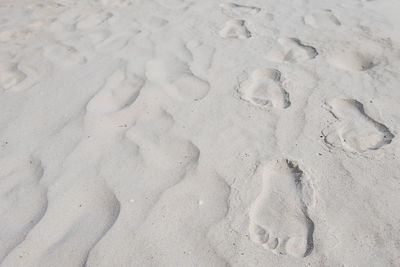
(278, 218)
(357, 131)
(264, 88)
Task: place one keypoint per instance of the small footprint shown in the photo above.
(279, 218)
(322, 19)
(264, 88)
(10, 76)
(236, 10)
(292, 50)
(351, 60)
(356, 131)
(236, 29)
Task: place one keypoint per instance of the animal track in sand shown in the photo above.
(321, 19)
(10, 75)
(236, 10)
(119, 91)
(264, 88)
(176, 77)
(357, 131)
(351, 60)
(278, 217)
(292, 50)
(236, 29)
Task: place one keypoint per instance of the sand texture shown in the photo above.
(199, 133)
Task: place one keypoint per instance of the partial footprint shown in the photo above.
(202, 55)
(236, 10)
(264, 88)
(351, 60)
(292, 50)
(174, 4)
(63, 54)
(10, 75)
(278, 218)
(115, 3)
(158, 146)
(356, 131)
(155, 22)
(92, 21)
(235, 28)
(16, 36)
(119, 91)
(176, 77)
(323, 18)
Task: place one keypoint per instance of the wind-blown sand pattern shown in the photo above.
(199, 133)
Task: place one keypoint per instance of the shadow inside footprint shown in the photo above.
(357, 131)
(279, 218)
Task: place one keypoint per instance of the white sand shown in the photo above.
(199, 133)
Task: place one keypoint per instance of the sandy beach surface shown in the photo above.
(199, 133)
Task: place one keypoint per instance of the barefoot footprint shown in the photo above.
(357, 131)
(292, 50)
(323, 18)
(351, 60)
(264, 88)
(120, 90)
(278, 218)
